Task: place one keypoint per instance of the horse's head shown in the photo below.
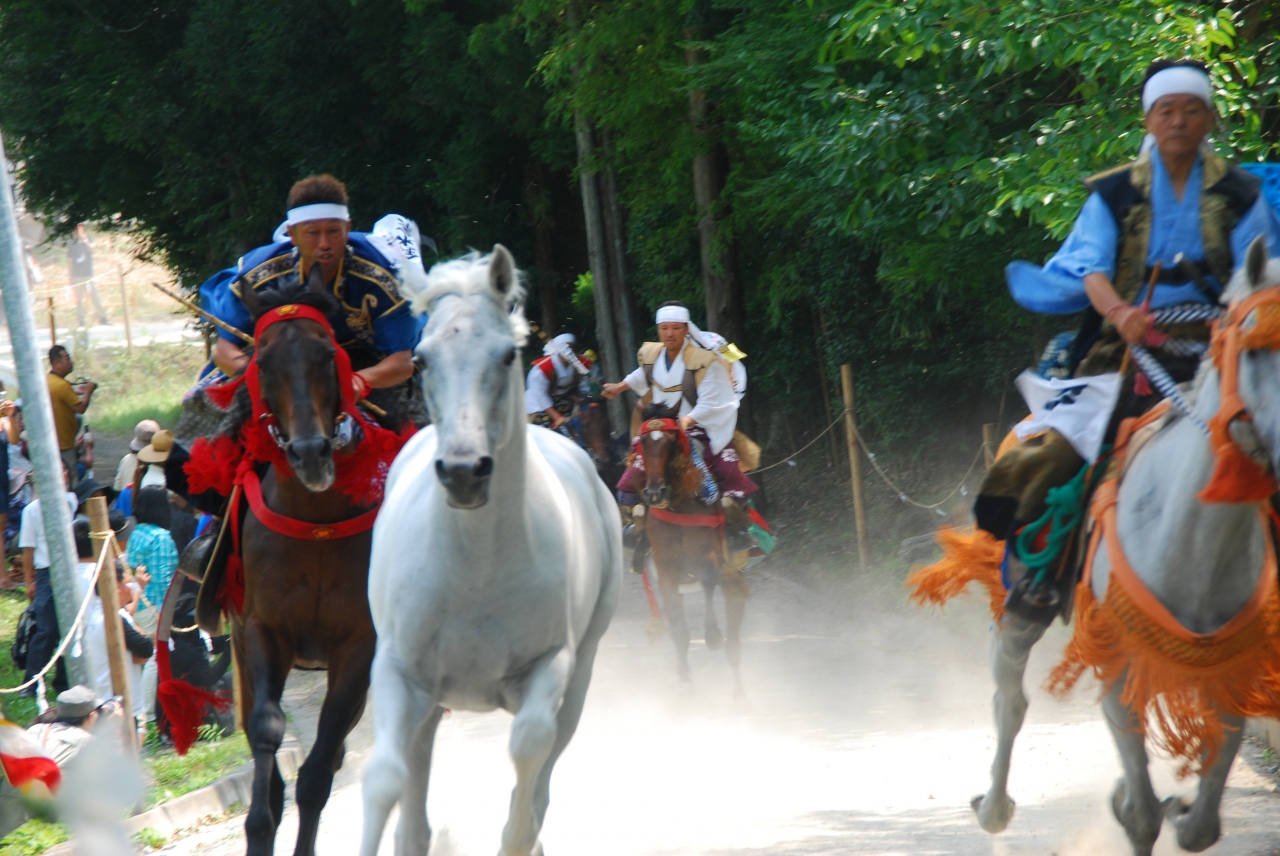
(470, 375)
(298, 380)
(1246, 350)
(665, 449)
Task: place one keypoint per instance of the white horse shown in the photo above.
(497, 560)
(1201, 561)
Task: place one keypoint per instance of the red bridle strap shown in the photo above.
(301, 529)
(711, 521)
(298, 312)
(667, 426)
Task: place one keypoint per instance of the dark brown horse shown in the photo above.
(593, 429)
(305, 599)
(688, 545)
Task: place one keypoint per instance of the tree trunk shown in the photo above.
(721, 288)
(624, 314)
(598, 256)
(538, 199)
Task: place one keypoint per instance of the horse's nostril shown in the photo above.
(441, 472)
(484, 467)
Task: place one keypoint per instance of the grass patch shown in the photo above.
(148, 385)
(171, 776)
(150, 838)
(33, 837)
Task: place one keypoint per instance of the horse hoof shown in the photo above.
(993, 815)
(1194, 835)
(714, 638)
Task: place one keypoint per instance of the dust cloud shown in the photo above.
(866, 730)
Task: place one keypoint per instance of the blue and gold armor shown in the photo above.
(375, 317)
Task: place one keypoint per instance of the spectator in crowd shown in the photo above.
(80, 258)
(67, 405)
(35, 573)
(88, 488)
(7, 408)
(140, 646)
(151, 547)
(149, 471)
(19, 474)
(142, 434)
(64, 729)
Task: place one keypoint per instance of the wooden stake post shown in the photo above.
(989, 443)
(124, 310)
(53, 326)
(117, 654)
(855, 461)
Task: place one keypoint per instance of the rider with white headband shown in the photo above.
(1178, 207)
(695, 382)
(366, 276)
(556, 382)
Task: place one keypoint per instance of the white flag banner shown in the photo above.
(1078, 408)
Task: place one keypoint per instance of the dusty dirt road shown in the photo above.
(866, 731)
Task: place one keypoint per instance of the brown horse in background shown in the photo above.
(305, 600)
(688, 546)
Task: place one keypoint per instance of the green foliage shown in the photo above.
(885, 158)
(150, 837)
(34, 837)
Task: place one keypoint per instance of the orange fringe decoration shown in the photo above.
(1182, 681)
(968, 556)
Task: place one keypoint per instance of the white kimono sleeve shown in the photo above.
(537, 392)
(717, 408)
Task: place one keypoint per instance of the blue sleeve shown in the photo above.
(217, 298)
(397, 330)
(1091, 246)
(1261, 220)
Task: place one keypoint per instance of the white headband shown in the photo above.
(555, 345)
(318, 211)
(1179, 80)
(672, 315)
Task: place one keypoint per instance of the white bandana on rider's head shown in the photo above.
(318, 211)
(1176, 80)
(672, 315)
(559, 343)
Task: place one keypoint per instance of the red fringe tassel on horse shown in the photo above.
(182, 703)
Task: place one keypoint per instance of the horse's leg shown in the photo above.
(533, 739)
(343, 703)
(1199, 825)
(711, 631)
(267, 662)
(1134, 801)
(1010, 647)
(413, 833)
(736, 593)
(397, 711)
(673, 610)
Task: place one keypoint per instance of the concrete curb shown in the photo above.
(233, 789)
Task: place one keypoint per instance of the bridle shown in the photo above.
(1242, 470)
(346, 430)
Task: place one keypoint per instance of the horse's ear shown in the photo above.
(252, 301)
(502, 270)
(315, 281)
(1255, 262)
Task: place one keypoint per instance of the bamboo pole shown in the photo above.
(989, 443)
(124, 310)
(855, 461)
(117, 654)
(53, 323)
(38, 413)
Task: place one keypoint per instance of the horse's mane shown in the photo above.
(686, 478)
(469, 275)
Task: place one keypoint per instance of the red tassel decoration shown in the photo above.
(183, 704)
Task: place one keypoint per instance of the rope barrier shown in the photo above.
(70, 635)
(902, 495)
(806, 446)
